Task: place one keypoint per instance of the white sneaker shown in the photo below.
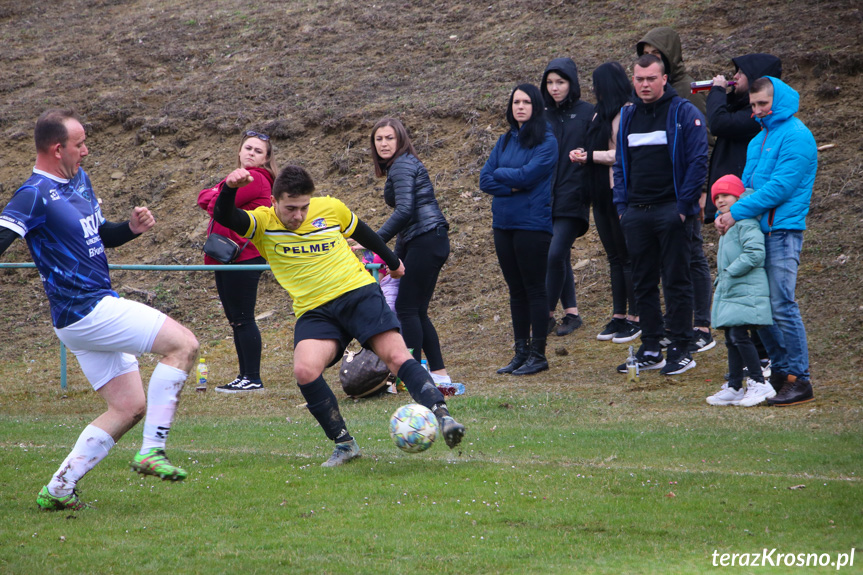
(440, 378)
(756, 392)
(726, 396)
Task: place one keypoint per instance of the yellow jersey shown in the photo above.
(314, 262)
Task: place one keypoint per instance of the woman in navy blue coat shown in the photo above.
(519, 174)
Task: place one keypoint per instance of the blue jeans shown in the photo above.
(785, 340)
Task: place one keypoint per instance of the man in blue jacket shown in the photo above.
(781, 163)
(658, 176)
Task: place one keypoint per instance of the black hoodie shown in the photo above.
(569, 122)
(730, 119)
(650, 166)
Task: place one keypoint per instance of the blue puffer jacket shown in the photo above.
(781, 163)
(520, 180)
(742, 294)
(687, 145)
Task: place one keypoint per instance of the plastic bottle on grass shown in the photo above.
(203, 373)
(631, 367)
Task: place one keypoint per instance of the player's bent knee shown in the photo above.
(305, 373)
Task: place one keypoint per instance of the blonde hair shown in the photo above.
(270, 163)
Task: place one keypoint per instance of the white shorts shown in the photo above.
(108, 340)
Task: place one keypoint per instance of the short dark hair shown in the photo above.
(293, 181)
(762, 84)
(646, 60)
(403, 145)
(51, 128)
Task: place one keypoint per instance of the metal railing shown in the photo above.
(173, 268)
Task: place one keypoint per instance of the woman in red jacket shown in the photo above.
(238, 290)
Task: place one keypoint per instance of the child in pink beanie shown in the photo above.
(741, 301)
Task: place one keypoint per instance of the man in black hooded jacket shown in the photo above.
(730, 117)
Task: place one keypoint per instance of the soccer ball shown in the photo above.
(413, 428)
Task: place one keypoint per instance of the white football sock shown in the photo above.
(163, 394)
(92, 446)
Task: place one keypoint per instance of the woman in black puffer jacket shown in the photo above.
(422, 242)
(569, 116)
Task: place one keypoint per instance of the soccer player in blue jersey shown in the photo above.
(335, 299)
(59, 216)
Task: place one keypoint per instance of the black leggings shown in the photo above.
(423, 256)
(238, 292)
(559, 281)
(741, 352)
(523, 258)
(611, 235)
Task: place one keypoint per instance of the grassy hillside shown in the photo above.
(166, 89)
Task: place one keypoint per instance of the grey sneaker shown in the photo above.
(452, 430)
(701, 341)
(343, 453)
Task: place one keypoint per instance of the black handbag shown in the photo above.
(223, 250)
(362, 373)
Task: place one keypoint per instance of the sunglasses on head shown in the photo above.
(258, 135)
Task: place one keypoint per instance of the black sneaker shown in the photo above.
(701, 341)
(552, 323)
(678, 361)
(644, 361)
(569, 324)
(665, 341)
(630, 331)
(615, 325)
(241, 386)
(228, 387)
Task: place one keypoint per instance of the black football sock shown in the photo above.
(420, 384)
(322, 403)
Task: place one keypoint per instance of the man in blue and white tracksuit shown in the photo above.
(781, 163)
(658, 176)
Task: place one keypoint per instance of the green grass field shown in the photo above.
(584, 479)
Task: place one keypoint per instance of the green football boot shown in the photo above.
(50, 502)
(154, 462)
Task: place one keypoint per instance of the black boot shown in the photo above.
(536, 362)
(796, 390)
(522, 351)
(777, 380)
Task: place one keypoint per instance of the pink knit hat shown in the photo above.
(729, 184)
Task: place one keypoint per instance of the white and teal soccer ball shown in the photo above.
(413, 428)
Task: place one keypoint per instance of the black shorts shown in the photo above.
(359, 314)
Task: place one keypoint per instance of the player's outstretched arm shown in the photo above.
(372, 241)
(7, 236)
(226, 212)
(115, 234)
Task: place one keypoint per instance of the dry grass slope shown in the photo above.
(166, 88)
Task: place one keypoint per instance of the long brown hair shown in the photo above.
(403, 142)
(269, 163)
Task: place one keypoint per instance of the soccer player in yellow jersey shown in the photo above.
(335, 299)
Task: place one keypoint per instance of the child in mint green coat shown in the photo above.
(741, 301)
